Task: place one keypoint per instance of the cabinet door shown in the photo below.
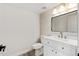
(64, 49)
(48, 51)
(50, 48)
(72, 22)
(67, 50)
(51, 51)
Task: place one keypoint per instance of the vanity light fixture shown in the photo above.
(55, 11)
(61, 8)
(72, 5)
(64, 8)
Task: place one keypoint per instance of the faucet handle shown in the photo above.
(59, 36)
(65, 37)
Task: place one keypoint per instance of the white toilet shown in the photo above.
(38, 48)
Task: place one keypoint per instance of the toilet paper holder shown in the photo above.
(2, 48)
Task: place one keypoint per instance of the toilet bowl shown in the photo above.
(38, 48)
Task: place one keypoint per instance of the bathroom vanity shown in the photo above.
(61, 39)
(55, 46)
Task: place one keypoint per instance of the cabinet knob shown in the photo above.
(52, 50)
(55, 52)
(62, 47)
(48, 42)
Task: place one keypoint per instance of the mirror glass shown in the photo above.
(65, 23)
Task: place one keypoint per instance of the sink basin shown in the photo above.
(67, 41)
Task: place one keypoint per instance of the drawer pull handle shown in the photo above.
(62, 47)
(48, 42)
(52, 50)
(55, 52)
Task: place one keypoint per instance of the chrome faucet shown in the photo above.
(61, 34)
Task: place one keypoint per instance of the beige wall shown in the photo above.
(45, 22)
(19, 29)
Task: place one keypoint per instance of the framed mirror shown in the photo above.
(65, 23)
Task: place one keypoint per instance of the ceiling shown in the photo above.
(34, 7)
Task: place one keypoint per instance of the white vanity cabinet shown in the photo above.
(57, 48)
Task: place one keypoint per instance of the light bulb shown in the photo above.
(55, 11)
(72, 5)
(62, 8)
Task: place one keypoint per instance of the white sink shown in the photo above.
(67, 41)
